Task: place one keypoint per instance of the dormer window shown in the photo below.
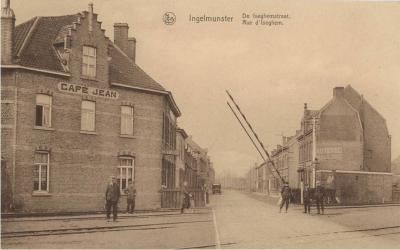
(89, 61)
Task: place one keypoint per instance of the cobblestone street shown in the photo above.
(233, 220)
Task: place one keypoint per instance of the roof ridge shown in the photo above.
(26, 21)
(70, 15)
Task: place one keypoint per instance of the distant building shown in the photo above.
(339, 151)
(180, 158)
(344, 146)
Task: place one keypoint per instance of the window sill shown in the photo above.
(88, 132)
(89, 78)
(43, 128)
(128, 136)
(41, 194)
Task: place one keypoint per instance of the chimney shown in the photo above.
(338, 92)
(90, 9)
(7, 32)
(306, 111)
(121, 36)
(132, 48)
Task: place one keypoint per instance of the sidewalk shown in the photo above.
(89, 214)
(275, 197)
(10, 217)
(94, 221)
(139, 230)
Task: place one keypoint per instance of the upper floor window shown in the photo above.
(41, 172)
(43, 111)
(126, 120)
(89, 61)
(169, 132)
(88, 116)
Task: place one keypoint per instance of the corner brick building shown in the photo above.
(76, 108)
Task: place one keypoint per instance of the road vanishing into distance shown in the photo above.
(233, 220)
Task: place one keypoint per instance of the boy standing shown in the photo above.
(131, 195)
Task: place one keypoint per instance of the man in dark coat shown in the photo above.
(285, 193)
(185, 198)
(319, 198)
(307, 199)
(112, 197)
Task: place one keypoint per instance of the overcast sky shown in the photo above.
(270, 70)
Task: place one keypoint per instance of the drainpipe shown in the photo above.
(14, 139)
(314, 152)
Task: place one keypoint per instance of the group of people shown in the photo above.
(308, 197)
(113, 194)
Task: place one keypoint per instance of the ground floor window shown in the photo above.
(168, 173)
(41, 172)
(126, 172)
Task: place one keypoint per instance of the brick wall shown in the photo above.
(377, 148)
(8, 109)
(377, 145)
(359, 188)
(81, 163)
(7, 32)
(339, 139)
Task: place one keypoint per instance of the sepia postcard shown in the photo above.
(217, 124)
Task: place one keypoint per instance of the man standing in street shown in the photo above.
(307, 200)
(131, 195)
(185, 198)
(319, 198)
(112, 197)
(285, 193)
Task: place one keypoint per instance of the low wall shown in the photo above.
(357, 187)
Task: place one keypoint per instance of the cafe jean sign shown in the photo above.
(83, 90)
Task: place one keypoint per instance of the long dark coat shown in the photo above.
(112, 193)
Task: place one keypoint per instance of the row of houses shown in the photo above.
(345, 146)
(76, 109)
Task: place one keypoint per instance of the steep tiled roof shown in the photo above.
(39, 34)
(39, 51)
(21, 31)
(123, 70)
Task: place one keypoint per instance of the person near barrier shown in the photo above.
(307, 199)
(112, 198)
(319, 198)
(285, 194)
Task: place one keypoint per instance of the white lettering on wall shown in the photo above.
(83, 90)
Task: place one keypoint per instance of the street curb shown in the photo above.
(91, 213)
(94, 215)
(274, 198)
(361, 206)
